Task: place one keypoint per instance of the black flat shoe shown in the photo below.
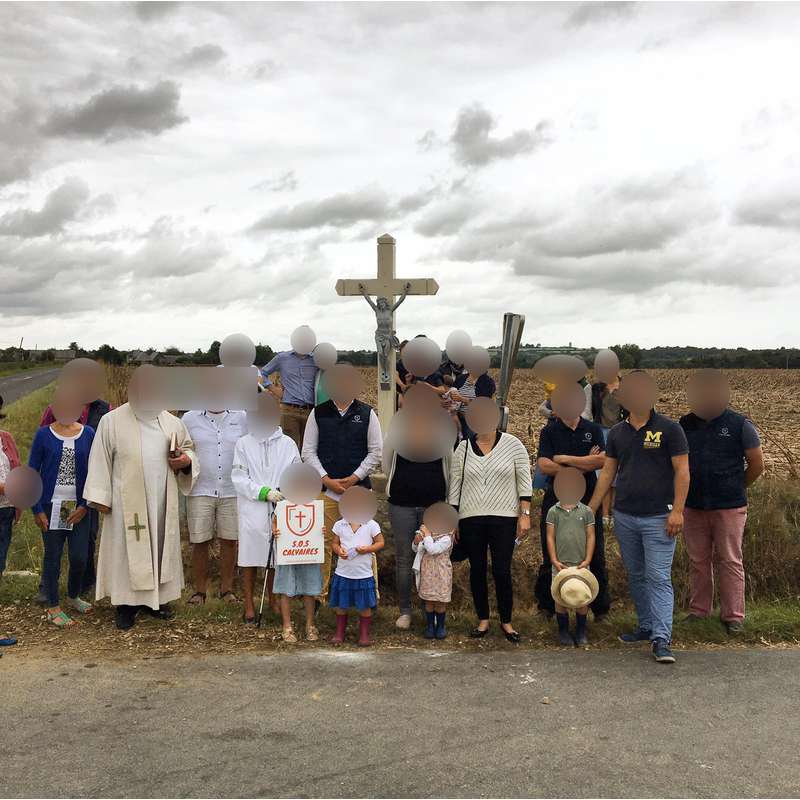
(125, 617)
(512, 636)
(162, 612)
(477, 633)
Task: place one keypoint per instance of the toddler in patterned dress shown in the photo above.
(435, 577)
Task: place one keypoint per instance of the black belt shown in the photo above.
(297, 405)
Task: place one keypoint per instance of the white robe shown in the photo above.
(258, 462)
(128, 471)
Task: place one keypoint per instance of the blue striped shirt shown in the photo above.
(298, 374)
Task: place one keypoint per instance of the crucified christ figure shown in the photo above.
(385, 334)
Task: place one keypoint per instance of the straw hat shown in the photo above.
(573, 587)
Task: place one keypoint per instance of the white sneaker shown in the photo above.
(403, 622)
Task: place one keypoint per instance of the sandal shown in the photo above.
(80, 605)
(197, 599)
(312, 634)
(288, 636)
(248, 620)
(60, 620)
(229, 597)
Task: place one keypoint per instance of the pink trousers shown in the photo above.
(714, 544)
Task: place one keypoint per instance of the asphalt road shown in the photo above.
(326, 723)
(12, 387)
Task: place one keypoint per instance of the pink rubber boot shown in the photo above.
(341, 627)
(363, 631)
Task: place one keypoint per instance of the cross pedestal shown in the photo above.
(386, 287)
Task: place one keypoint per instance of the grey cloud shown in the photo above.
(264, 70)
(591, 13)
(777, 209)
(637, 226)
(285, 182)
(446, 219)
(62, 205)
(340, 211)
(120, 112)
(169, 252)
(147, 11)
(19, 141)
(474, 146)
(204, 55)
(429, 141)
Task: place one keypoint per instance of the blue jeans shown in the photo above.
(6, 521)
(647, 553)
(77, 541)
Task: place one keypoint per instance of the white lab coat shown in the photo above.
(258, 462)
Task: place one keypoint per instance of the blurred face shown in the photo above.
(303, 340)
(85, 377)
(325, 355)
(477, 360)
(143, 390)
(568, 401)
(422, 434)
(440, 518)
(358, 505)
(237, 350)
(638, 393)
(422, 357)
(67, 405)
(559, 368)
(569, 486)
(606, 366)
(483, 415)
(708, 393)
(300, 483)
(344, 383)
(263, 421)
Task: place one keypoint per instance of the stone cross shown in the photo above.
(136, 527)
(385, 288)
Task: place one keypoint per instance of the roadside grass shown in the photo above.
(22, 421)
(13, 367)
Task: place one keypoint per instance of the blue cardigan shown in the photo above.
(46, 456)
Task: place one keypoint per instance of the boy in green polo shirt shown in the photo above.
(570, 543)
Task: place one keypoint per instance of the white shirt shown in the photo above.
(214, 437)
(371, 461)
(259, 462)
(65, 479)
(359, 566)
(5, 468)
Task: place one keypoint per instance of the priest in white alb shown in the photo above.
(133, 480)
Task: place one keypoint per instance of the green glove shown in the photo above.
(263, 495)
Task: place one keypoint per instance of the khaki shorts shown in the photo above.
(210, 516)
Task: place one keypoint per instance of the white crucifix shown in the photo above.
(386, 287)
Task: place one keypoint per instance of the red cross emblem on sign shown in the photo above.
(300, 519)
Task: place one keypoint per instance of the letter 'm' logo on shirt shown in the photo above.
(652, 439)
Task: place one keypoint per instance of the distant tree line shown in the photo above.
(631, 356)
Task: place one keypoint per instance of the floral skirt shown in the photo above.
(352, 593)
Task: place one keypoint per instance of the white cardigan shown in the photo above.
(490, 485)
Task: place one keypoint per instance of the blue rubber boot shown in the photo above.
(430, 630)
(441, 631)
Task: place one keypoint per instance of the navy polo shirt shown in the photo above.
(645, 477)
(556, 438)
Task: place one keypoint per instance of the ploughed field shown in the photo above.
(770, 397)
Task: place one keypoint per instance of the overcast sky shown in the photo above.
(171, 173)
